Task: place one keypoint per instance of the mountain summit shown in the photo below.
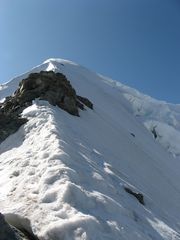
(91, 160)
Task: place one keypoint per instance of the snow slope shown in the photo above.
(163, 117)
(67, 174)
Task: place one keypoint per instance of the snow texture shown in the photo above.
(67, 174)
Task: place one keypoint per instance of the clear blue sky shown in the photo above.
(134, 41)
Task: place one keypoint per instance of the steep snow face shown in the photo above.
(158, 116)
(67, 174)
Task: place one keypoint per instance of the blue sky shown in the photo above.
(134, 41)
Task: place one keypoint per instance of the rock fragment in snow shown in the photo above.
(154, 132)
(85, 101)
(132, 134)
(138, 196)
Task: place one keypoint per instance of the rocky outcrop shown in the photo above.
(138, 196)
(45, 85)
(50, 86)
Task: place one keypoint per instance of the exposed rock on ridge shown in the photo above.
(50, 86)
(46, 85)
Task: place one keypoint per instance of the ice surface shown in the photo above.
(67, 174)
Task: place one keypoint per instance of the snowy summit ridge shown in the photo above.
(99, 176)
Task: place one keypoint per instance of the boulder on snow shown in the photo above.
(19, 226)
(138, 196)
(8, 232)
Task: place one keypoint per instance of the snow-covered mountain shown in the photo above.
(66, 177)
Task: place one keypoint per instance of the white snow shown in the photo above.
(67, 174)
(163, 116)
